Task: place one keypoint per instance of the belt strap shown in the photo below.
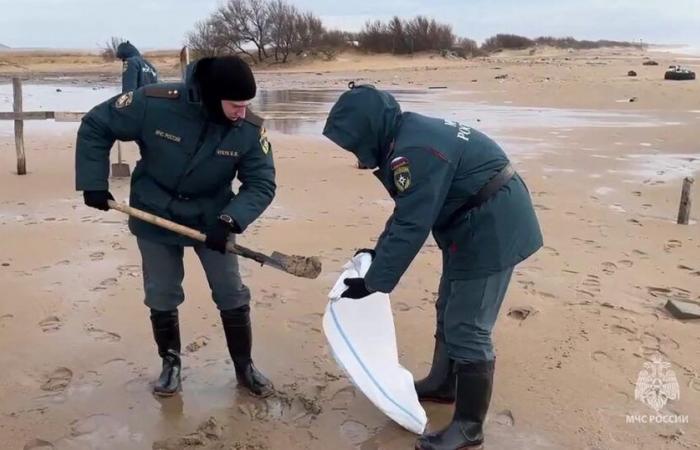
(486, 192)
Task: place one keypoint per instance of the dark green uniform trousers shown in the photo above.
(163, 272)
(466, 313)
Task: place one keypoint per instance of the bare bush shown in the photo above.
(246, 21)
(467, 48)
(109, 49)
(506, 42)
(260, 28)
(310, 31)
(400, 37)
(570, 42)
(283, 31)
(209, 39)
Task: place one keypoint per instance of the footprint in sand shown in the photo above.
(521, 313)
(640, 253)
(584, 293)
(100, 431)
(695, 384)
(6, 317)
(651, 344)
(38, 444)
(97, 256)
(609, 268)
(199, 342)
(132, 270)
(86, 383)
(58, 380)
(600, 356)
(592, 282)
(551, 251)
(505, 418)
(620, 329)
(342, 398)
(50, 324)
(282, 406)
(102, 335)
(207, 432)
(138, 384)
(626, 263)
(402, 307)
(655, 291)
(355, 432)
(672, 244)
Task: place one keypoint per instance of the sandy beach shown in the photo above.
(580, 320)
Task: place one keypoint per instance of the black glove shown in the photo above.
(218, 236)
(371, 252)
(97, 199)
(356, 288)
(231, 222)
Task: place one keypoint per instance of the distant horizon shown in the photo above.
(680, 48)
(161, 24)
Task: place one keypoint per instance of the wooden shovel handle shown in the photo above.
(183, 230)
(159, 221)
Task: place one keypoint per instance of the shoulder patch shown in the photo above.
(399, 162)
(254, 119)
(264, 142)
(402, 177)
(161, 92)
(124, 100)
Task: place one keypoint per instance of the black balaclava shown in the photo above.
(126, 50)
(224, 78)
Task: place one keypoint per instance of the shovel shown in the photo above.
(120, 169)
(300, 266)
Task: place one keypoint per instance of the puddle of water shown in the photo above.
(52, 97)
(663, 167)
(303, 111)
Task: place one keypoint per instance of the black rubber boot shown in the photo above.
(166, 331)
(439, 385)
(474, 385)
(239, 338)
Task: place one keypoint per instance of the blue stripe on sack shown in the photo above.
(362, 364)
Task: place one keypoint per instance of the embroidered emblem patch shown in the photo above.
(168, 136)
(229, 153)
(398, 162)
(264, 142)
(124, 100)
(402, 177)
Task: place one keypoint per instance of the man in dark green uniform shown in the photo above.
(195, 138)
(136, 70)
(457, 182)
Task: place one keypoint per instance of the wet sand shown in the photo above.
(580, 319)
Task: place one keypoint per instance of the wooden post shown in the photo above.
(184, 61)
(19, 126)
(686, 201)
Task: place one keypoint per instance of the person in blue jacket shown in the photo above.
(195, 138)
(136, 70)
(450, 179)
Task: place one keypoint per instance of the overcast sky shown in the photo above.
(163, 23)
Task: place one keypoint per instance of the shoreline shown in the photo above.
(580, 319)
